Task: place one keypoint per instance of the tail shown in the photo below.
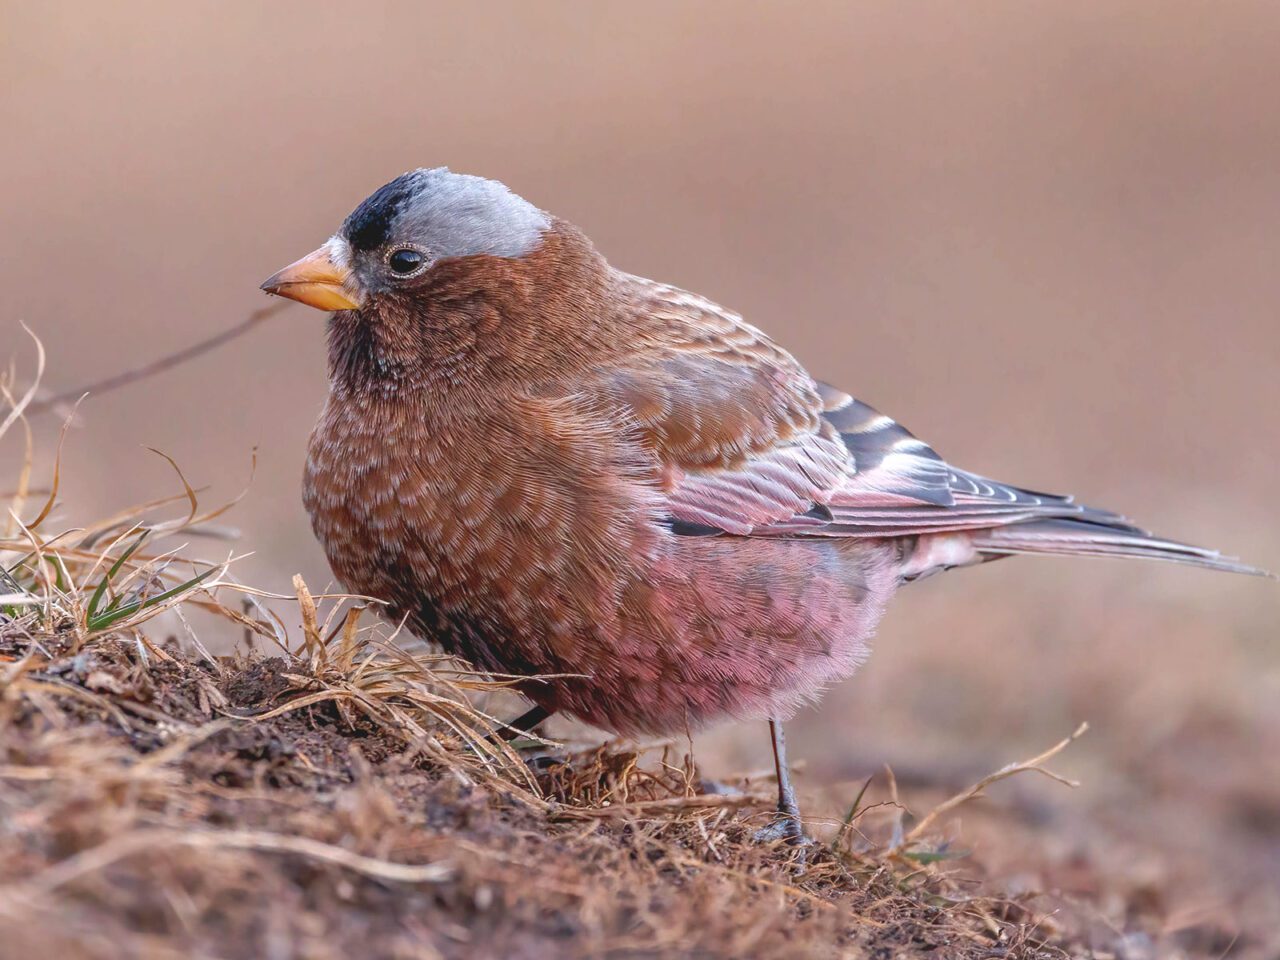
(1084, 538)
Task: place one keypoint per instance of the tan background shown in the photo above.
(1043, 235)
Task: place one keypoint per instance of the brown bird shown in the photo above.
(552, 467)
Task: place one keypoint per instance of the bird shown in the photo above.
(616, 488)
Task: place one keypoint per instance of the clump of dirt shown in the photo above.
(158, 803)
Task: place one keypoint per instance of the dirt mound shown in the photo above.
(157, 803)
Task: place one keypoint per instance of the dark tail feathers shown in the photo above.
(1082, 538)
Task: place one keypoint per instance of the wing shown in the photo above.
(749, 444)
(736, 424)
(900, 485)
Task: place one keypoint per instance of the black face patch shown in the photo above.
(369, 225)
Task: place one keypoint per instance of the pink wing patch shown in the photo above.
(777, 488)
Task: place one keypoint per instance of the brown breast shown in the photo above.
(508, 537)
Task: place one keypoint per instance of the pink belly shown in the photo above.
(730, 627)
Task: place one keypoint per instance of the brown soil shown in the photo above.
(144, 812)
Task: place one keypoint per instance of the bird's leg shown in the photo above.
(787, 822)
(524, 724)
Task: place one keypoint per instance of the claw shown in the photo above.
(784, 827)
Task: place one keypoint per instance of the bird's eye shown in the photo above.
(406, 261)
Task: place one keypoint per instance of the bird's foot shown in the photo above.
(523, 727)
(786, 825)
(788, 828)
(521, 736)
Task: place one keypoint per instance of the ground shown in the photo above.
(155, 801)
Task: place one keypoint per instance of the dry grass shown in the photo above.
(334, 794)
(157, 802)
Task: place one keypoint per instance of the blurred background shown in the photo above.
(1043, 235)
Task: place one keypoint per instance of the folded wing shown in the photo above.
(750, 445)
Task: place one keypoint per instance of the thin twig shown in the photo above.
(24, 405)
(667, 805)
(855, 809)
(1034, 765)
(123, 379)
(120, 848)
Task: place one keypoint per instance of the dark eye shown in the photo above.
(406, 261)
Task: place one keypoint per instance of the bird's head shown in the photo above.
(440, 277)
(392, 244)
